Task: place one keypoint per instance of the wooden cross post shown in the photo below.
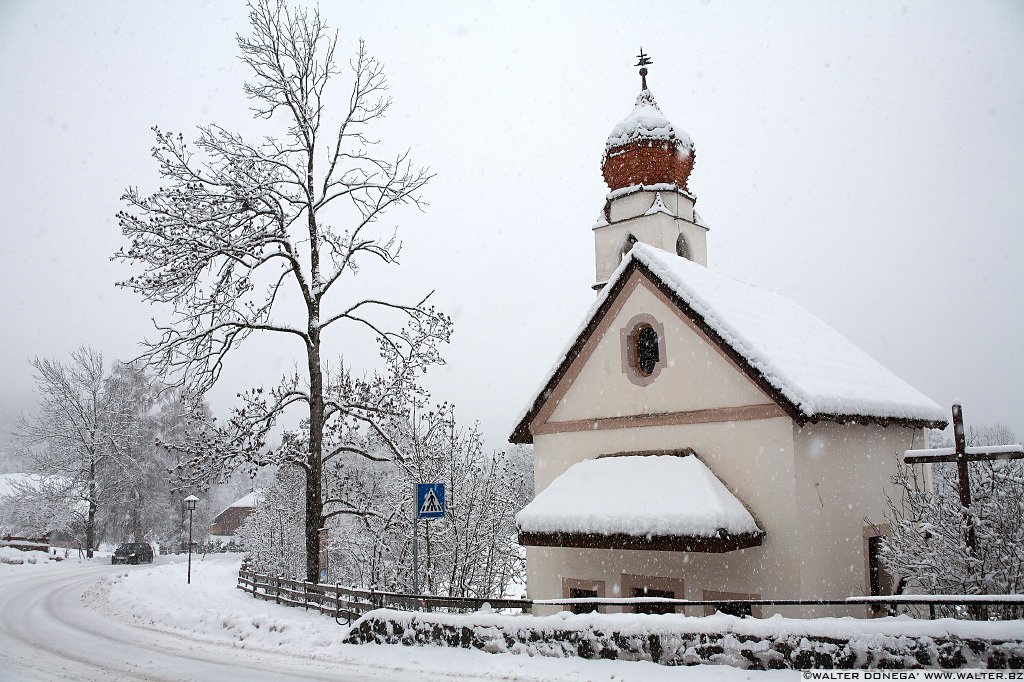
(961, 454)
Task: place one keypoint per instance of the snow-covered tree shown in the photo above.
(83, 442)
(471, 552)
(37, 505)
(927, 545)
(273, 534)
(91, 449)
(241, 225)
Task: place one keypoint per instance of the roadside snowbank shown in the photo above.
(213, 609)
(16, 559)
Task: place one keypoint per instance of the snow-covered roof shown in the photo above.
(818, 369)
(251, 500)
(812, 371)
(642, 496)
(646, 122)
(652, 187)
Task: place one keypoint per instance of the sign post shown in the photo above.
(429, 499)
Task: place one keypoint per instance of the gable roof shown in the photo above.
(812, 371)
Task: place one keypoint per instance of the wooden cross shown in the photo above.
(961, 454)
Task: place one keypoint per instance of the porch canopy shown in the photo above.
(650, 502)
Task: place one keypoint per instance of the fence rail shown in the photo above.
(350, 603)
(26, 544)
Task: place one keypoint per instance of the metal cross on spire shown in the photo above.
(643, 63)
(961, 455)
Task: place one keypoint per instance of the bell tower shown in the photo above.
(646, 165)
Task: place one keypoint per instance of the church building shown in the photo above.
(700, 437)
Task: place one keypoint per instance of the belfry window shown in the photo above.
(627, 245)
(683, 248)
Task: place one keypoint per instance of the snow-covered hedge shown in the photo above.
(773, 643)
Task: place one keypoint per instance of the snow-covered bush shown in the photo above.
(927, 545)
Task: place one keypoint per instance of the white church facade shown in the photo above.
(700, 437)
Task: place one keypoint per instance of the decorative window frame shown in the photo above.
(628, 581)
(710, 595)
(627, 336)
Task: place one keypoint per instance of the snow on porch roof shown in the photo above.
(813, 371)
(657, 502)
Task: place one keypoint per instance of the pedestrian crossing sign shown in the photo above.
(430, 502)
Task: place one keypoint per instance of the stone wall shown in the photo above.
(778, 645)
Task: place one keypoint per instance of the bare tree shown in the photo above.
(44, 505)
(240, 225)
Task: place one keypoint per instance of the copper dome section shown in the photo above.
(647, 163)
(646, 149)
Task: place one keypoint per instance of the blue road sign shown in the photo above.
(430, 500)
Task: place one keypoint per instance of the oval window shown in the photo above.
(645, 350)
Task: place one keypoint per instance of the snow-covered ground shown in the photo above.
(88, 620)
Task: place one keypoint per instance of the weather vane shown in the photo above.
(643, 63)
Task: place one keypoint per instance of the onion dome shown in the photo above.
(646, 149)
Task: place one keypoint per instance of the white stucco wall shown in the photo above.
(637, 203)
(696, 375)
(843, 475)
(659, 229)
(810, 489)
(753, 458)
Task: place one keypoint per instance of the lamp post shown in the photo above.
(190, 504)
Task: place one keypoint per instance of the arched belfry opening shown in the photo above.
(683, 248)
(627, 245)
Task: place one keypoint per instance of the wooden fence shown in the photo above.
(26, 544)
(350, 603)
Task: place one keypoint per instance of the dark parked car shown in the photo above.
(133, 553)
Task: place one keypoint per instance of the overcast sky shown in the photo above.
(863, 159)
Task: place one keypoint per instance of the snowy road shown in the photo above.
(47, 633)
(91, 621)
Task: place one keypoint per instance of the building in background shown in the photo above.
(226, 524)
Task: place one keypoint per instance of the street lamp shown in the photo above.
(190, 504)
